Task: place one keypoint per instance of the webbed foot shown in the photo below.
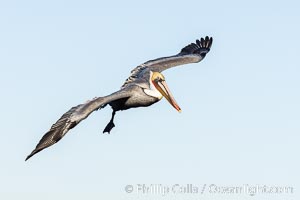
(108, 127)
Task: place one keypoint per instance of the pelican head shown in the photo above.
(160, 84)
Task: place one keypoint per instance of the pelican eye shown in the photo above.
(159, 79)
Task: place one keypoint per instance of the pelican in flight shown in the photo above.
(144, 87)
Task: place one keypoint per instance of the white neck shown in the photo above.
(153, 92)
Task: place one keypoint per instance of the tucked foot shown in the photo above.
(108, 127)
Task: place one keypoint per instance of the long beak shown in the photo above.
(162, 87)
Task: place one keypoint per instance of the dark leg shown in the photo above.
(111, 124)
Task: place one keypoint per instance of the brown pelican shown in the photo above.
(144, 87)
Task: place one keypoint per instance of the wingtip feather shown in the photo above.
(29, 156)
(32, 153)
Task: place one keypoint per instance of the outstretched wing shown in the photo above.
(192, 53)
(75, 115)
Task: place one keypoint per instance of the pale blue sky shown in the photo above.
(240, 106)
